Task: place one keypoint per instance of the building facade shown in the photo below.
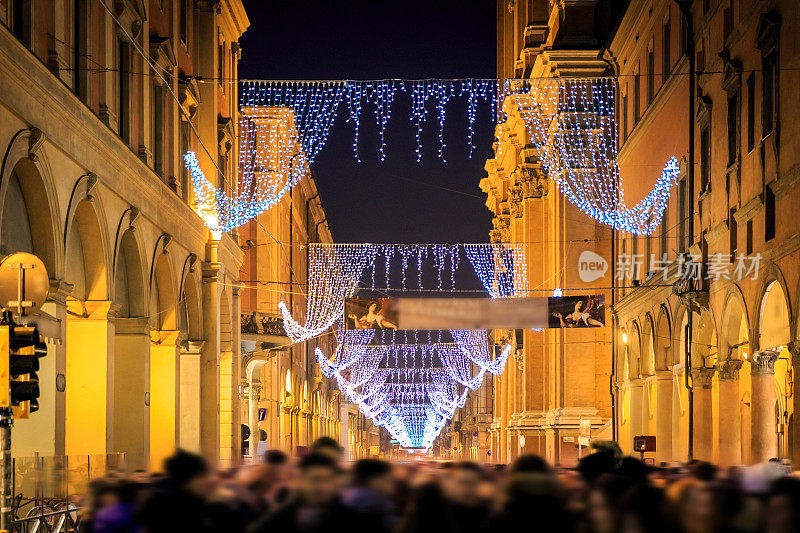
(99, 101)
(557, 377)
(287, 402)
(706, 365)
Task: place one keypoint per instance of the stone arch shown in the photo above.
(635, 351)
(130, 287)
(734, 327)
(190, 319)
(26, 188)
(163, 301)
(86, 253)
(663, 339)
(773, 328)
(648, 346)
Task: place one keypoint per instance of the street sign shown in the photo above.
(262, 414)
(24, 283)
(644, 443)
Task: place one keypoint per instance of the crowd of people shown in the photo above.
(320, 493)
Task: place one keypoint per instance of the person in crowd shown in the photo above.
(451, 505)
(371, 493)
(316, 507)
(180, 501)
(327, 446)
(281, 471)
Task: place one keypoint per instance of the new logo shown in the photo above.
(591, 266)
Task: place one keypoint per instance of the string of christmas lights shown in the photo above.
(571, 122)
(335, 270)
(411, 389)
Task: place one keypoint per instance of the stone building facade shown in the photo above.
(708, 367)
(556, 378)
(98, 101)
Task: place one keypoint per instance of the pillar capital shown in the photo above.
(702, 377)
(763, 362)
(729, 369)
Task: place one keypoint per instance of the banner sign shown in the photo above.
(584, 311)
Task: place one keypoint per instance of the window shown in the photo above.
(705, 158)
(647, 253)
(733, 232)
(124, 96)
(651, 75)
(184, 133)
(624, 117)
(682, 204)
(21, 23)
(666, 63)
(768, 96)
(637, 88)
(751, 112)
(80, 80)
(223, 170)
(184, 20)
(158, 128)
(769, 214)
(733, 128)
(221, 64)
(749, 237)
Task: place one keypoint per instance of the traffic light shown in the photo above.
(25, 349)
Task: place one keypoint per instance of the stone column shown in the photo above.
(236, 364)
(164, 419)
(637, 409)
(89, 377)
(209, 357)
(794, 446)
(730, 419)
(253, 399)
(663, 384)
(130, 430)
(703, 419)
(189, 396)
(763, 438)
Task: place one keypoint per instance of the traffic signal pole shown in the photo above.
(6, 495)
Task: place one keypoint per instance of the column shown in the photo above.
(637, 409)
(209, 357)
(164, 381)
(236, 352)
(89, 377)
(253, 399)
(130, 428)
(794, 446)
(763, 438)
(662, 413)
(730, 430)
(703, 438)
(189, 396)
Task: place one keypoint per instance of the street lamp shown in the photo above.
(624, 338)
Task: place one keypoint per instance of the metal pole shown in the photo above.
(6, 493)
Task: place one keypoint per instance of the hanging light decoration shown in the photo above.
(335, 270)
(411, 389)
(571, 123)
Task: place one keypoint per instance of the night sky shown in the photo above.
(397, 200)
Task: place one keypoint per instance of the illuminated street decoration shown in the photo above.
(335, 271)
(571, 123)
(411, 389)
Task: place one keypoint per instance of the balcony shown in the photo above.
(262, 331)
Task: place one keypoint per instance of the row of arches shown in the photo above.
(741, 380)
(130, 302)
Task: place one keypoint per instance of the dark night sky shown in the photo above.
(397, 200)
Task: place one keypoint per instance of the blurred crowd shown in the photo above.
(319, 492)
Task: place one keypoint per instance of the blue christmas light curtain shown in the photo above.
(335, 271)
(283, 126)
